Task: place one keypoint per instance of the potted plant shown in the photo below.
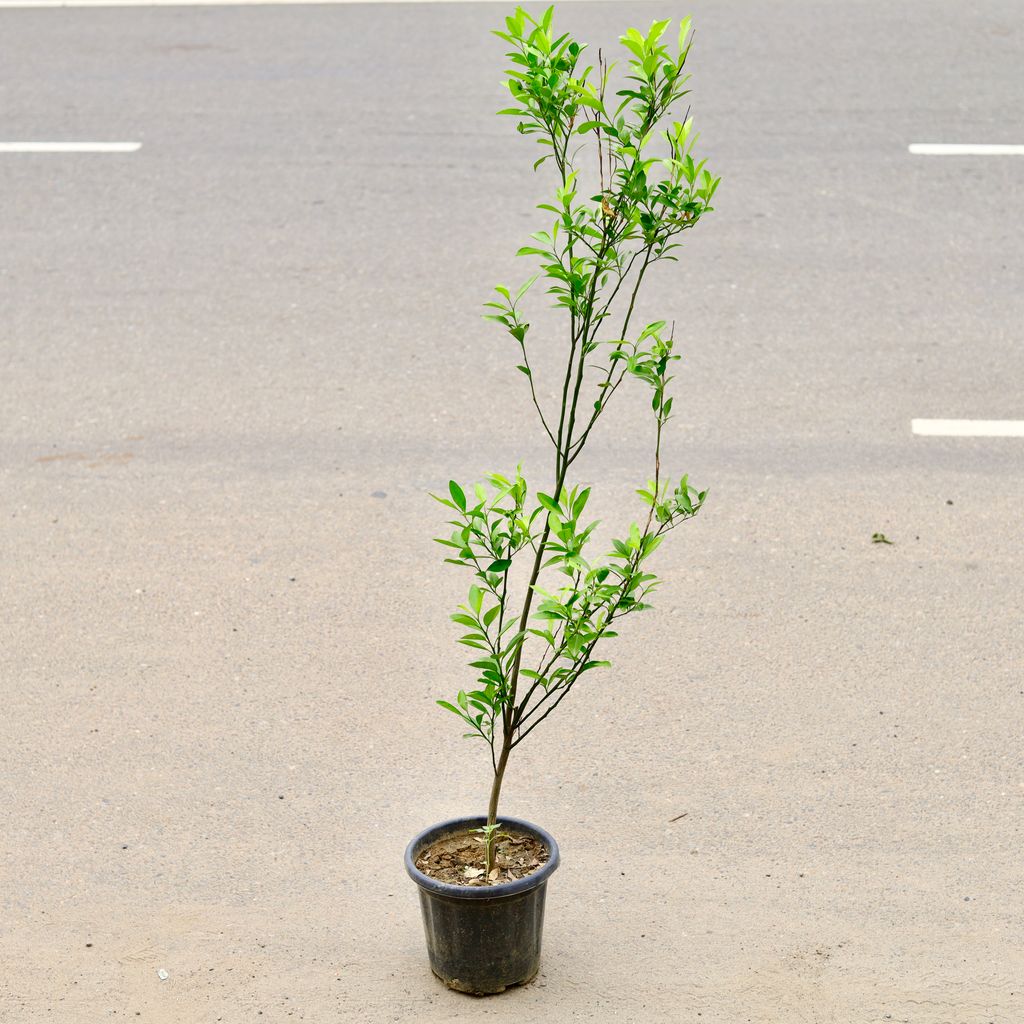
(626, 189)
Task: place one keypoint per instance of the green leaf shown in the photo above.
(549, 503)
(580, 503)
(657, 31)
(585, 100)
(499, 565)
(448, 706)
(633, 45)
(476, 598)
(684, 31)
(526, 287)
(457, 495)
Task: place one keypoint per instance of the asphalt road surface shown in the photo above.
(234, 362)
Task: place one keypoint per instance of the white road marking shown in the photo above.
(69, 147)
(212, 3)
(968, 428)
(964, 149)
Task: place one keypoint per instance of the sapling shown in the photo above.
(627, 187)
(489, 834)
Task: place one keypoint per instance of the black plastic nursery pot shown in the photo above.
(482, 939)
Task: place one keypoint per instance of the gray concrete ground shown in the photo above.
(233, 365)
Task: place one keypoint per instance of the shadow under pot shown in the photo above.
(483, 939)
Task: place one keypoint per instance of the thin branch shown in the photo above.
(533, 393)
(603, 393)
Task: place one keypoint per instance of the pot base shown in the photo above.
(461, 986)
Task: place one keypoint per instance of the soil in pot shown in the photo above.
(462, 859)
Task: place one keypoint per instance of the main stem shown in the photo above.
(561, 469)
(508, 713)
(563, 447)
(499, 774)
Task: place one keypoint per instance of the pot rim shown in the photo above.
(479, 892)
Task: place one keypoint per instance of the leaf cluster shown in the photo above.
(628, 185)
